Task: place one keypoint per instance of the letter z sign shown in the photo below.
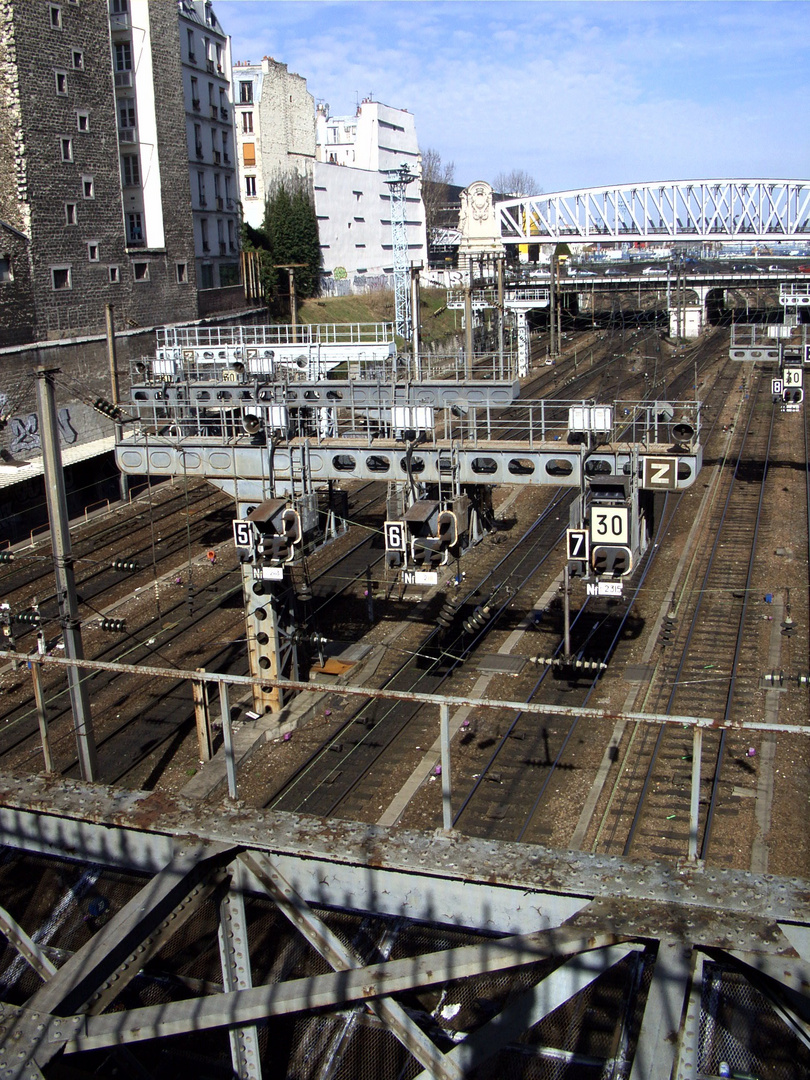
(659, 474)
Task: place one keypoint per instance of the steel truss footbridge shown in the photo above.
(716, 210)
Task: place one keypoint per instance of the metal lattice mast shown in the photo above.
(398, 180)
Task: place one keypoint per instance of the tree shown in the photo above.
(516, 182)
(291, 228)
(436, 177)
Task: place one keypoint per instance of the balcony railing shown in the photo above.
(126, 135)
(217, 157)
(195, 104)
(123, 78)
(209, 64)
(223, 113)
(199, 151)
(226, 157)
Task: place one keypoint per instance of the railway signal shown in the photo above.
(6, 556)
(113, 626)
(447, 529)
(616, 560)
(30, 617)
(126, 566)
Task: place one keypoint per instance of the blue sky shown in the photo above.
(575, 94)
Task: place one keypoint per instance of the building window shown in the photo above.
(123, 56)
(206, 276)
(114, 275)
(140, 271)
(231, 234)
(250, 187)
(92, 250)
(135, 228)
(126, 113)
(245, 93)
(56, 17)
(70, 213)
(78, 60)
(192, 56)
(201, 188)
(61, 82)
(5, 269)
(249, 153)
(88, 187)
(119, 7)
(130, 170)
(66, 146)
(219, 58)
(247, 121)
(182, 273)
(83, 121)
(61, 278)
(225, 157)
(204, 234)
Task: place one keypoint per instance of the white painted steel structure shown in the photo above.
(675, 209)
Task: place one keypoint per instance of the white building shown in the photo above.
(275, 130)
(353, 157)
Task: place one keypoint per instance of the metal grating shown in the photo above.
(739, 1026)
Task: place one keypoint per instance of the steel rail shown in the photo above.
(701, 594)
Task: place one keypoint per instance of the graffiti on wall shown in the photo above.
(24, 430)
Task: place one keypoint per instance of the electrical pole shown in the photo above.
(123, 479)
(398, 180)
(63, 572)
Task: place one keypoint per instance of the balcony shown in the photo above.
(206, 246)
(223, 113)
(226, 157)
(123, 78)
(195, 104)
(126, 135)
(214, 112)
(199, 151)
(192, 58)
(229, 204)
(209, 65)
(217, 157)
(220, 203)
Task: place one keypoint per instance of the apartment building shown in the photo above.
(354, 157)
(275, 130)
(100, 176)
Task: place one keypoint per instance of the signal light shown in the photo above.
(793, 396)
(291, 525)
(6, 556)
(113, 626)
(106, 408)
(447, 528)
(394, 559)
(278, 549)
(125, 566)
(606, 559)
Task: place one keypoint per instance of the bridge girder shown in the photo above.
(716, 210)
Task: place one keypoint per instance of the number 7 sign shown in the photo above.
(577, 544)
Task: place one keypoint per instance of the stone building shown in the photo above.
(97, 185)
(275, 130)
(354, 157)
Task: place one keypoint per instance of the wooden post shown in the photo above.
(201, 715)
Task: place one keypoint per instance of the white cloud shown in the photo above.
(575, 94)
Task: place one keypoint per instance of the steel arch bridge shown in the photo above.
(716, 210)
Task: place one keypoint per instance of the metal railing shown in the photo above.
(217, 337)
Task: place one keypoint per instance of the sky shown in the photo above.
(574, 94)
